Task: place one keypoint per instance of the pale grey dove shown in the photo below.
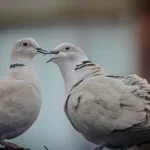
(20, 97)
(110, 111)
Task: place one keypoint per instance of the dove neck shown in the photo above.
(21, 60)
(71, 76)
(24, 70)
(26, 73)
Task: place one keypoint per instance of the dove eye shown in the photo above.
(25, 44)
(67, 48)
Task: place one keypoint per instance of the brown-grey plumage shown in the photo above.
(110, 110)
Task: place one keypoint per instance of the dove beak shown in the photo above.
(40, 50)
(55, 52)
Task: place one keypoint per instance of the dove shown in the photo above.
(20, 96)
(109, 111)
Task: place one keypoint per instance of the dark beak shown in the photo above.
(40, 50)
(49, 60)
(54, 52)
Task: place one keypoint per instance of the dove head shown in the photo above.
(24, 50)
(67, 53)
(69, 57)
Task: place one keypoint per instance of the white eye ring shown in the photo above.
(67, 48)
(25, 44)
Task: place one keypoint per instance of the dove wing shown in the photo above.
(105, 104)
(67, 114)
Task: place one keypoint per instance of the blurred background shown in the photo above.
(114, 33)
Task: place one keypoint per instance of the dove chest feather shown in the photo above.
(20, 103)
(84, 117)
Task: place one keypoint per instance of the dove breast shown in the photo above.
(19, 107)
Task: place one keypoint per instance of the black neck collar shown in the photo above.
(84, 64)
(16, 65)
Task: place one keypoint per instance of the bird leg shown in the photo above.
(11, 146)
(100, 147)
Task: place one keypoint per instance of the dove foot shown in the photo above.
(100, 147)
(12, 146)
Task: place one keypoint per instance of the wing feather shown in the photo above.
(106, 103)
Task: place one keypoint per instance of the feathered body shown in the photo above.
(110, 110)
(20, 101)
(20, 96)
